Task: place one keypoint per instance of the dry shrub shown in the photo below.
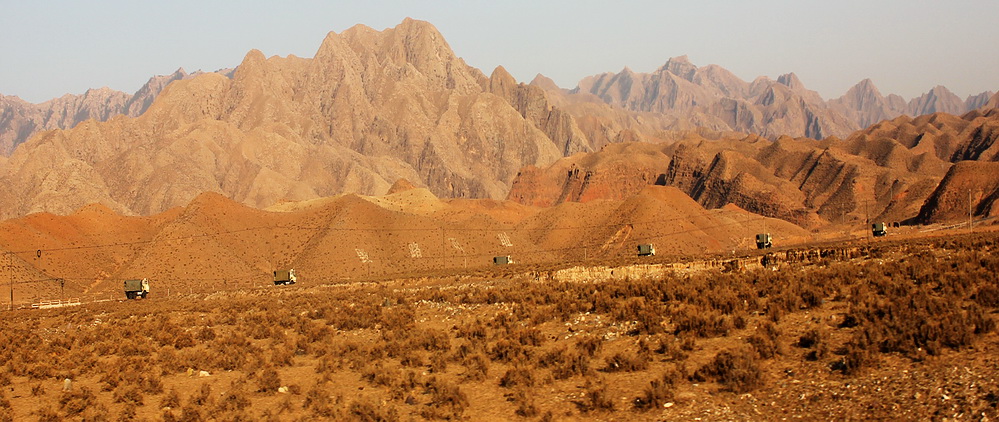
(48, 414)
(476, 367)
(438, 363)
(700, 322)
(660, 391)
(589, 344)
(37, 390)
(269, 381)
(320, 402)
(127, 413)
(171, 399)
(365, 410)
(525, 404)
(40, 370)
(75, 402)
(856, 358)
(738, 370)
(447, 401)
(205, 334)
(233, 401)
(626, 362)
(517, 377)
(202, 397)
(765, 340)
(128, 394)
(507, 351)
(672, 348)
(565, 363)
(596, 398)
(528, 336)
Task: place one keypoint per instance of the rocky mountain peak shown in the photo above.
(544, 82)
(679, 66)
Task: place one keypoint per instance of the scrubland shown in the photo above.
(902, 330)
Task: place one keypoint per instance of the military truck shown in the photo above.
(284, 277)
(879, 229)
(502, 260)
(136, 289)
(764, 241)
(646, 250)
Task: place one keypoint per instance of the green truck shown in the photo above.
(136, 289)
(284, 277)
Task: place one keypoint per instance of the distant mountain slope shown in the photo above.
(371, 107)
(885, 172)
(19, 119)
(718, 100)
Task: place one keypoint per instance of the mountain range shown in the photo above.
(372, 107)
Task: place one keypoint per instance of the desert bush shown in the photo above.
(525, 403)
(205, 334)
(320, 402)
(447, 401)
(738, 370)
(596, 398)
(171, 399)
(671, 347)
(233, 401)
(365, 410)
(814, 339)
(565, 363)
(48, 414)
(765, 340)
(699, 321)
(40, 370)
(37, 390)
(856, 358)
(660, 391)
(507, 351)
(75, 402)
(438, 363)
(268, 381)
(128, 394)
(987, 295)
(202, 397)
(517, 377)
(626, 362)
(476, 367)
(589, 344)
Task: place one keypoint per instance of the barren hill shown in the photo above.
(886, 172)
(216, 240)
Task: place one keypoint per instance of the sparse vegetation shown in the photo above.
(539, 349)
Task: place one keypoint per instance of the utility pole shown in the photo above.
(971, 227)
(867, 216)
(10, 267)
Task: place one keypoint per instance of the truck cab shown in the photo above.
(764, 241)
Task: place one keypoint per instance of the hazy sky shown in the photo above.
(50, 48)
